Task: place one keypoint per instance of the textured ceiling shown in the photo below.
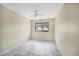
(48, 10)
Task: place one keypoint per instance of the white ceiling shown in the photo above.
(49, 10)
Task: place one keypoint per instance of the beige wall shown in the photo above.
(43, 35)
(15, 29)
(67, 29)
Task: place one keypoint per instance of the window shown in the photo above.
(42, 27)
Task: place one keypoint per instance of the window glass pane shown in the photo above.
(42, 27)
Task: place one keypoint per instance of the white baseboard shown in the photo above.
(59, 50)
(12, 48)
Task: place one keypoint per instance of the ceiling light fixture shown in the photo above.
(37, 14)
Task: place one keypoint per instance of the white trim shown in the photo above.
(59, 50)
(12, 47)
